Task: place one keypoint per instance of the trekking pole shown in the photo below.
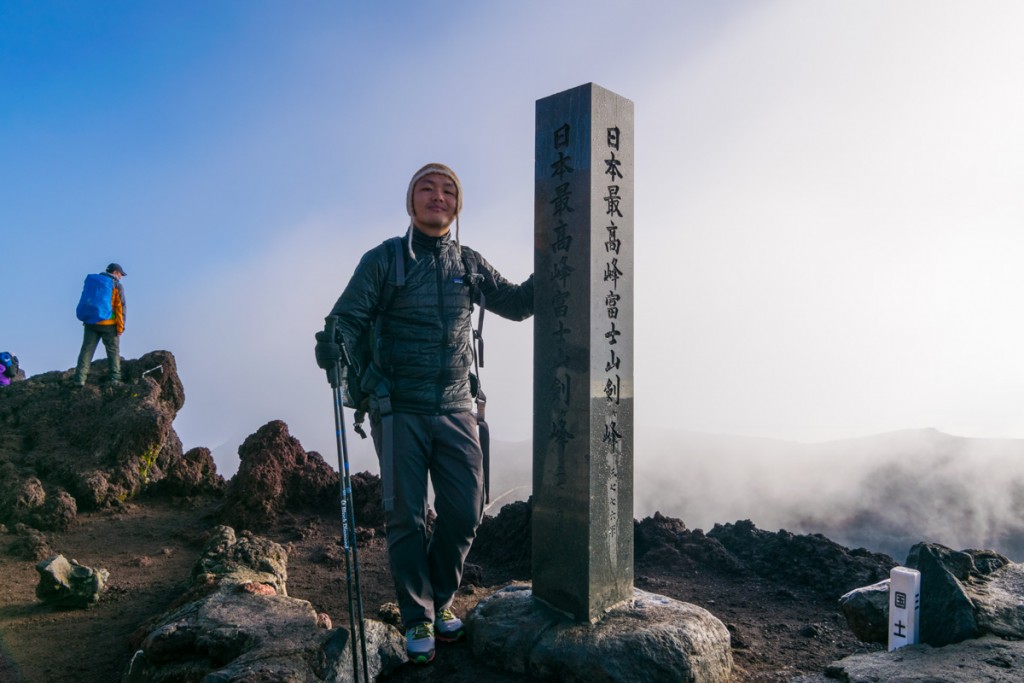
(348, 521)
(481, 401)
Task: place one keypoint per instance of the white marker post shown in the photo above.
(904, 607)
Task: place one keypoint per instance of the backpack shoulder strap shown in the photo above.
(395, 280)
(398, 257)
(473, 277)
(471, 266)
(396, 275)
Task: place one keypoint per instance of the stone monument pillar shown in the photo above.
(583, 352)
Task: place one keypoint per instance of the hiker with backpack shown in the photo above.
(404, 335)
(102, 309)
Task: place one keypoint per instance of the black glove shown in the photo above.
(328, 352)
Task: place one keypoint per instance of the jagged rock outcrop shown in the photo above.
(504, 542)
(65, 448)
(239, 624)
(661, 541)
(810, 560)
(275, 474)
(193, 472)
(69, 584)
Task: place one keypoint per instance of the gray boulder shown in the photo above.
(867, 612)
(650, 638)
(998, 599)
(69, 584)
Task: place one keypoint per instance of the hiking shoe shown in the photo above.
(419, 643)
(448, 627)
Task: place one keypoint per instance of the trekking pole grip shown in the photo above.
(330, 328)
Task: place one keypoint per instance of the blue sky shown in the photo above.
(829, 223)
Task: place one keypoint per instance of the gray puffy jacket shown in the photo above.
(425, 344)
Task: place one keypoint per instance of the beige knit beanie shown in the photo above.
(442, 170)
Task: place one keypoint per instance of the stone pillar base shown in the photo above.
(648, 638)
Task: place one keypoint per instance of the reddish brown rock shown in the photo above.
(195, 472)
(65, 448)
(275, 474)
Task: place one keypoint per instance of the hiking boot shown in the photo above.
(419, 643)
(448, 627)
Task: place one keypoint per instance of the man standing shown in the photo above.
(102, 310)
(418, 376)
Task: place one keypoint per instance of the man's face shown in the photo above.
(434, 200)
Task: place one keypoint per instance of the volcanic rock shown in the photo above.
(666, 542)
(505, 541)
(810, 560)
(195, 471)
(867, 612)
(947, 613)
(30, 544)
(65, 448)
(275, 474)
(69, 584)
(649, 638)
(239, 624)
(248, 559)
(367, 502)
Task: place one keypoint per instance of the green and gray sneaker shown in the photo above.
(448, 627)
(419, 643)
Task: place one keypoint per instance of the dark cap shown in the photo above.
(116, 268)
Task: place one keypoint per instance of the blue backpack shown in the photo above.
(97, 300)
(8, 365)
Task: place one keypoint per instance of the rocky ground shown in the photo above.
(98, 475)
(781, 626)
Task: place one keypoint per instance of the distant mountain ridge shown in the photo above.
(883, 492)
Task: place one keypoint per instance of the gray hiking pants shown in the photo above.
(447, 447)
(90, 340)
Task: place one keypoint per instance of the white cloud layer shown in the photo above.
(828, 224)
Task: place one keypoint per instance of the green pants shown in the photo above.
(111, 342)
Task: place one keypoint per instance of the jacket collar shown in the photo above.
(424, 242)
